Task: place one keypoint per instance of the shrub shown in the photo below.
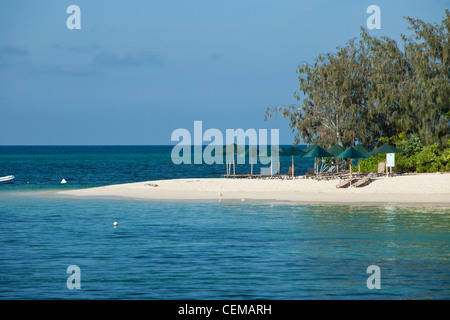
(427, 159)
(416, 158)
(411, 145)
(371, 164)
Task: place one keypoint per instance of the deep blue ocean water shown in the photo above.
(201, 249)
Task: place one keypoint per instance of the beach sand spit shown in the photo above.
(426, 188)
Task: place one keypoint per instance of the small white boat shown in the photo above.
(6, 179)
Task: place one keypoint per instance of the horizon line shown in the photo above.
(122, 145)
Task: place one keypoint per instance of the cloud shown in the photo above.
(12, 55)
(86, 48)
(13, 51)
(145, 58)
(59, 70)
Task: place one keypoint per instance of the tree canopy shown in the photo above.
(371, 89)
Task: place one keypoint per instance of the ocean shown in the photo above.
(201, 249)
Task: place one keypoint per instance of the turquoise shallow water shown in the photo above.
(210, 250)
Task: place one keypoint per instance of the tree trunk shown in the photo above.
(338, 134)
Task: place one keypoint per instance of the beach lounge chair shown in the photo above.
(329, 170)
(310, 173)
(329, 173)
(291, 169)
(290, 174)
(365, 180)
(381, 168)
(344, 183)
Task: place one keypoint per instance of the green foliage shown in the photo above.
(416, 158)
(411, 145)
(427, 159)
(445, 160)
(428, 52)
(328, 161)
(372, 91)
(371, 164)
(398, 140)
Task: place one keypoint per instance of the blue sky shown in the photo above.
(139, 69)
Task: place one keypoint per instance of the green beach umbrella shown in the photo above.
(233, 149)
(251, 153)
(310, 147)
(351, 153)
(364, 151)
(336, 149)
(268, 153)
(292, 151)
(317, 152)
(385, 149)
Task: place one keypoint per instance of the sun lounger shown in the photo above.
(291, 169)
(328, 174)
(310, 173)
(381, 168)
(365, 180)
(330, 169)
(288, 175)
(265, 176)
(236, 176)
(344, 183)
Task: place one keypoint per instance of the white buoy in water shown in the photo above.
(115, 224)
(63, 181)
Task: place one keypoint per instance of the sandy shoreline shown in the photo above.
(425, 189)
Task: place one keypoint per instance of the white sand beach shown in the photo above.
(426, 189)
